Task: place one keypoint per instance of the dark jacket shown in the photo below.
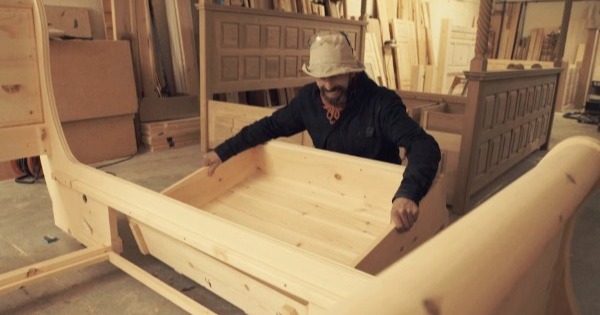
(374, 124)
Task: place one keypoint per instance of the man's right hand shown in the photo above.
(212, 161)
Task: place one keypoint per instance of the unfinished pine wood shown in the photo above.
(537, 48)
(392, 245)
(502, 64)
(387, 61)
(373, 61)
(405, 51)
(158, 286)
(26, 276)
(227, 119)
(450, 147)
(444, 117)
(148, 67)
(316, 205)
(74, 22)
(374, 52)
(456, 49)
(536, 266)
(420, 34)
(508, 33)
(183, 46)
(171, 137)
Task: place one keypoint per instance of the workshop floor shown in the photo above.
(26, 218)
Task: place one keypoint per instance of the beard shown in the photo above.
(338, 100)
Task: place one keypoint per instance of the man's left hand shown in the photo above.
(405, 213)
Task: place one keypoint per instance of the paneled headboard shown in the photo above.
(244, 49)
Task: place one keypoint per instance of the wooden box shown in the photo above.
(332, 207)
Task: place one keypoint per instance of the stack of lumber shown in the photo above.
(398, 48)
(167, 134)
(537, 46)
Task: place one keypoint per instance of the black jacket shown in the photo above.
(374, 124)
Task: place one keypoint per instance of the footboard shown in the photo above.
(508, 116)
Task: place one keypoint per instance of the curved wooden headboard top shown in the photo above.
(245, 49)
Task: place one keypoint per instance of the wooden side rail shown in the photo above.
(486, 263)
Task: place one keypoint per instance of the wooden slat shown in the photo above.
(158, 286)
(23, 141)
(288, 217)
(388, 63)
(20, 96)
(392, 245)
(373, 62)
(456, 49)
(405, 51)
(536, 261)
(21, 277)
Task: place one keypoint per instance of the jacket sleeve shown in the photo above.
(422, 150)
(284, 122)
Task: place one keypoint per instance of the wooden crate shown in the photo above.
(322, 204)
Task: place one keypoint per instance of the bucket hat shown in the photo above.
(331, 54)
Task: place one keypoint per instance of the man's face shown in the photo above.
(334, 89)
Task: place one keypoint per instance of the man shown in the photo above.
(345, 111)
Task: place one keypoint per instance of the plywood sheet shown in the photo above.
(92, 79)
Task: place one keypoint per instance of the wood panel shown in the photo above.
(534, 280)
(507, 119)
(373, 62)
(457, 48)
(501, 64)
(405, 51)
(183, 46)
(72, 22)
(20, 96)
(227, 119)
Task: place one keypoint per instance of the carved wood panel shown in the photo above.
(264, 49)
(513, 121)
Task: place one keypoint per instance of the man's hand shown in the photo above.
(212, 160)
(404, 213)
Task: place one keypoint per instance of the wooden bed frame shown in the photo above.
(267, 275)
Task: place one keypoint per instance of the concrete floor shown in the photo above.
(26, 217)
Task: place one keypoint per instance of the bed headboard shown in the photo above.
(244, 49)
